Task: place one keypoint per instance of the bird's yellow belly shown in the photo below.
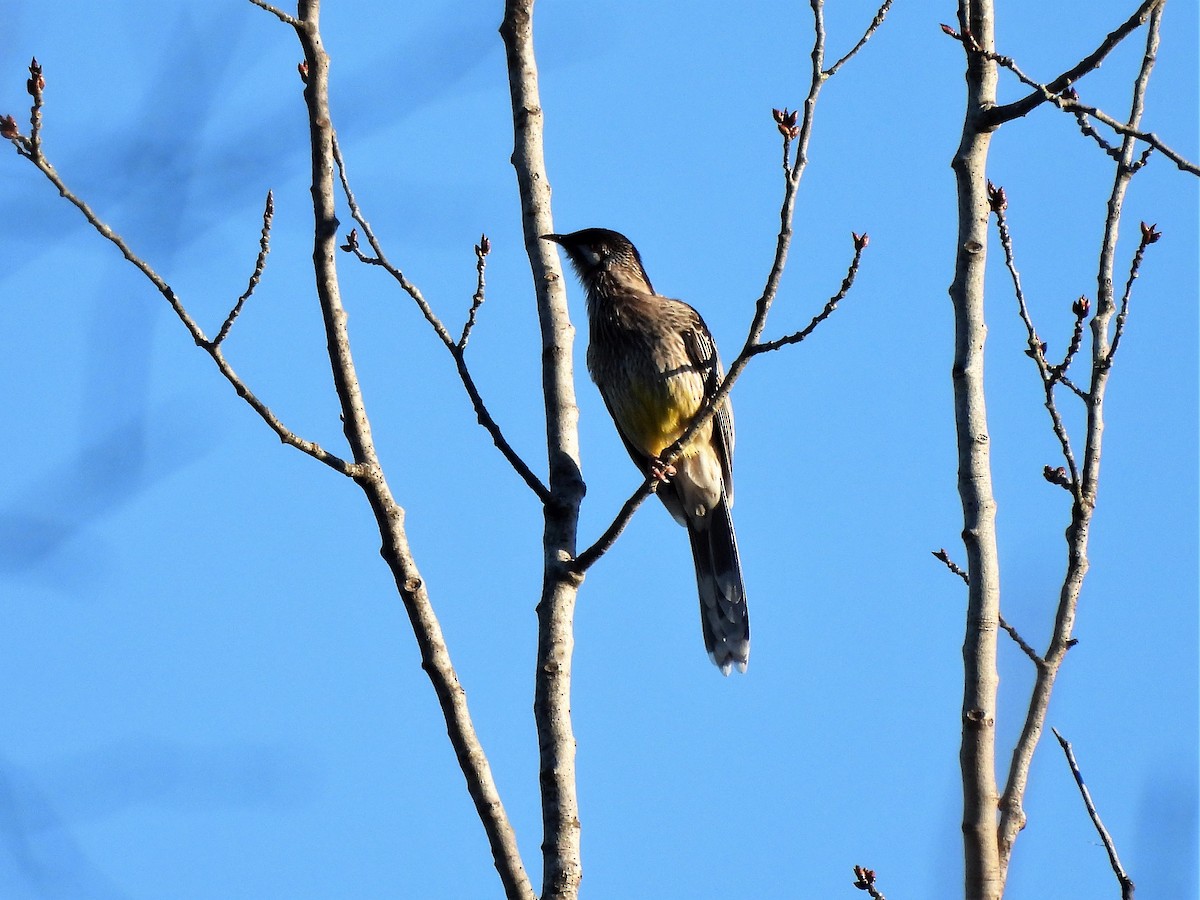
(655, 416)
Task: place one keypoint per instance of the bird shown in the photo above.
(655, 364)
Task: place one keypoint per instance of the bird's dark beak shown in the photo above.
(557, 238)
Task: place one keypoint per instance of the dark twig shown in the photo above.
(864, 880)
(1080, 308)
(481, 251)
(950, 564)
(457, 349)
(1037, 349)
(35, 85)
(1068, 101)
(998, 115)
(860, 244)
(277, 13)
(944, 557)
(264, 247)
(1150, 235)
(871, 29)
(1123, 878)
(285, 434)
(1088, 130)
(1085, 485)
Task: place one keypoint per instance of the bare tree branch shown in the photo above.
(983, 875)
(1037, 349)
(1012, 632)
(1012, 815)
(264, 247)
(277, 13)
(1000, 114)
(481, 251)
(1060, 94)
(871, 29)
(1110, 847)
(457, 349)
(389, 515)
(562, 867)
(1150, 235)
(212, 348)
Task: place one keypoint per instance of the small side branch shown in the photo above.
(1150, 235)
(264, 247)
(1037, 348)
(860, 244)
(871, 29)
(1067, 99)
(481, 251)
(1001, 114)
(33, 152)
(35, 85)
(458, 348)
(1110, 847)
(277, 13)
(956, 569)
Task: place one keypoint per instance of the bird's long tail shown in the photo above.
(724, 616)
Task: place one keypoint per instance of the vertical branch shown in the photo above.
(983, 874)
(1012, 815)
(435, 657)
(562, 866)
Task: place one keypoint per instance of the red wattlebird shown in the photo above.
(655, 364)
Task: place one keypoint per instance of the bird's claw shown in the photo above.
(661, 472)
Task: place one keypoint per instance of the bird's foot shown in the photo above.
(661, 472)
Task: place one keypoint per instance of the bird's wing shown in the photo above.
(703, 353)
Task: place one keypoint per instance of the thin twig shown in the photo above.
(1074, 388)
(871, 29)
(1012, 814)
(1110, 847)
(264, 247)
(1150, 235)
(998, 115)
(457, 349)
(943, 556)
(285, 434)
(1088, 130)
(1067, 100)
(481, 251)
(860, 244)
(1037, 349)
(36, 85)
(278, 13)
(1080, 308)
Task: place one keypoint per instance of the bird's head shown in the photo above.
(598, 254)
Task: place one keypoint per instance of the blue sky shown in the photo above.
(213, 690)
